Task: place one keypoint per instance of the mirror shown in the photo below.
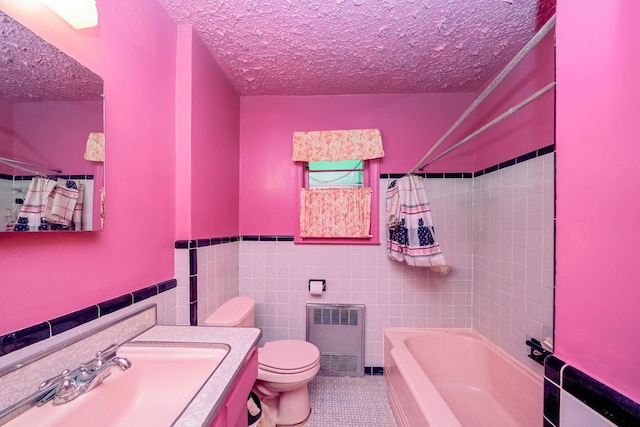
(49, 106)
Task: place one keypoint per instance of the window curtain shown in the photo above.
(336, 145)
(335, 212)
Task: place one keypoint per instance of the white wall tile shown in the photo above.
(525, 256)
(575, 413)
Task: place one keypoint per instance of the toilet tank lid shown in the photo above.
(232, 313)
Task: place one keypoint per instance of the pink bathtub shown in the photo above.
(456, 377)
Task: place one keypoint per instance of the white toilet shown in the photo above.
(285, 367)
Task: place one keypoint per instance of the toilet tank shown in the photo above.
(238, 311)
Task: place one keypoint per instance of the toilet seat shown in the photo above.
(288, 356)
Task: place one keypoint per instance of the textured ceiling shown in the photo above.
(33, 70)
(302, 47)
(309, 47)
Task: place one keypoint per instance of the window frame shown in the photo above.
(371, 180)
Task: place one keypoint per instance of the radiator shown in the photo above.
(338, 331)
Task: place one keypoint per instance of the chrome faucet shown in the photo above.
(60, 384)
(69, 385)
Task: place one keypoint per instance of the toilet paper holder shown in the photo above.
(324, 283)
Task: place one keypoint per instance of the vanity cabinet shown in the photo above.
(233, 412)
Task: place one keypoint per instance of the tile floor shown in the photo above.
(349, 402)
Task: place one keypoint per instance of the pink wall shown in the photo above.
(46, 275)
(214, 148)
(597, 295)
(54, 133)
(184, 94)
(531, 127)
(6, 134)
(409, 124)
(208, 122)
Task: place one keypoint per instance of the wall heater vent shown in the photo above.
(338, 331)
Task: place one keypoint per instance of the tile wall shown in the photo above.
(276, 274)
(218, 277)
(213, 267)
(513, 247)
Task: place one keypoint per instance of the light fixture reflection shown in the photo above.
(78, 13)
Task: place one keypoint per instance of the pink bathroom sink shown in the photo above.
(153, 392)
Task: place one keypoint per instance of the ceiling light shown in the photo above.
(78, 13)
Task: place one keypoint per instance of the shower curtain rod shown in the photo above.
(16, 163)
(13, 165)
(493, 122)
(496, 81)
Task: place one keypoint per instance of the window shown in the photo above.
(345, 174)
(340, 174)
(338, 185)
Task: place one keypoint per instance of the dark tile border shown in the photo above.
(520, 159)
(193, 289)
(193, 284)
(552, 367)
(601, 398)
(508, 163)
(24, 337)
(551, 405)
(373, 370)
(30, 177)
(201, 243)
(193, 313)
(269, 238)
(166, 285)
(73, 320)
(614, 406)
(429, 175)
(193, 261)
(182, 244)
(145, 293)
(115, 304)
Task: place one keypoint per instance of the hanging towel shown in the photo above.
(61, 203)
(77, 210)
(32, 210)
(411, 233)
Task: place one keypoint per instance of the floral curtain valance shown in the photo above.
(336, 145)
(335, 212)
